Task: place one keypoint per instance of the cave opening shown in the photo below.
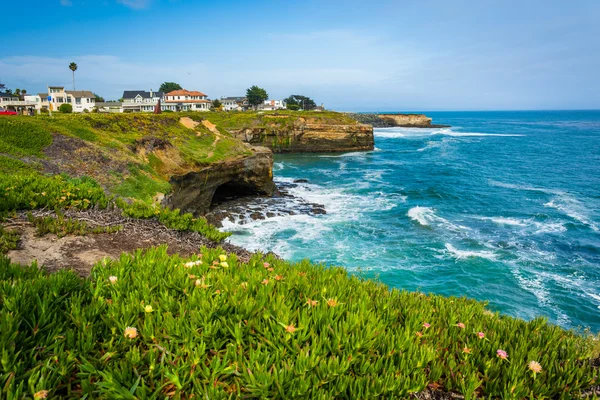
(232, 190)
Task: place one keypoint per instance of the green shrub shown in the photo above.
(18, 136)
(62, 226)
(65, 108)
(218, 328)
(8, 240)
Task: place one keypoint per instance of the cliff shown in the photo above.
(289, 132)
(397, 120)
(168, 158)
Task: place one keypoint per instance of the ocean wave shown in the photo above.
(573, 208)
(465, 254)
(425, 216)
(517, 186)
(505, 221)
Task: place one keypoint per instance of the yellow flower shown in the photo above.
(112, 279)
(224, 264)
(223, 257)
(148, 308)
(332, 303)
(535, 367)
(130, 332)
(42, 394)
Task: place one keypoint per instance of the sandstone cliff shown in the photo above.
(396, 120)
(310, 138)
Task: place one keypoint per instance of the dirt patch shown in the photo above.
(211, 127)
(80, 253)
(188, 122)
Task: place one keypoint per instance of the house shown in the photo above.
(140, 100)
(239, 103)
(272, 105)
(80, 100)
(186, 100)
(109, 107)
(13, 102)
(6, 98)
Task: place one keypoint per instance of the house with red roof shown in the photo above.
(186, 100)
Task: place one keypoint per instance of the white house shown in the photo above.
(238, 103)
(109, 107)
(140, 100)
(273, 105)
(80, 100)
(186, 100)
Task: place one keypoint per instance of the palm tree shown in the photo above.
(73, 67)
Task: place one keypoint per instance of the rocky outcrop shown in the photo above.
(195, 191)
(310, 138)
(397, 120)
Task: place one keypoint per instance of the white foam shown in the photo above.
(573, 208)
(505, 221)
(464, 254)
(426, 216)
(517, 186)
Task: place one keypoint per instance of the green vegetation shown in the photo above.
(62, 226)
(65, 108)
(167, 87)
(151, 325)
(296, 102)
(19, 138)
(28, 191)
(8, 240)
(256, 95)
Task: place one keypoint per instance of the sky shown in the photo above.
(401, 55)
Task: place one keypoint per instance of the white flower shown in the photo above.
(112, 279)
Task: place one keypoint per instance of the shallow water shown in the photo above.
(503, 206)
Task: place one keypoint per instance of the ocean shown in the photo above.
(502, 207)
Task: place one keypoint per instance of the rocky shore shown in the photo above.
(396, 120)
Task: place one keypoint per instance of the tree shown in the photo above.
(217, 105)
(17, 92)
(23, 92)
(99, 98)
(73, 67)
(256, 95)
(167, 87)
(296, 101)
(65, 108)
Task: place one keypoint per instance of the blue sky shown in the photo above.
(349, 55)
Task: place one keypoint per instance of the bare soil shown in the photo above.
(80, 253)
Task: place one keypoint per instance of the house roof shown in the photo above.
(238, 98)
(4, 94)
(81, 94)
(184, 92)
(187, 101)
(132, 94)
(56, 87)
(44, 96)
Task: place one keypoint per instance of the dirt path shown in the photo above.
(191, 124)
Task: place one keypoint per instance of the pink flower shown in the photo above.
(266, 265)
(461, 325)
(480, 335)
(502, 354)
(535, 367)
(426, 325)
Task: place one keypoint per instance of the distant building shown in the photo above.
(272, 105)
(238, 103)
(80, 100)
(140, 100)
(109, 107)
(186, 100)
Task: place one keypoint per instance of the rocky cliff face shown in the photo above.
(407, 120)
(195, 191)
(310, 138)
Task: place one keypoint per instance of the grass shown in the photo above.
(150, 325)
(142, 185)
(18, 137)
(275, 119)
(61, 226)
(8, 240)
(28, 191)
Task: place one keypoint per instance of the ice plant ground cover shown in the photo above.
(316, 332)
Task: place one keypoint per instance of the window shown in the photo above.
(60, 100)
(78, 101)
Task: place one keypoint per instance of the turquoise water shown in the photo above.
(503, 206)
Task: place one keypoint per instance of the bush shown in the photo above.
(150, 325)
(65, 108)
(18, 136)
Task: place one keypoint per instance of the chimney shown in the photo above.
(151, 93)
